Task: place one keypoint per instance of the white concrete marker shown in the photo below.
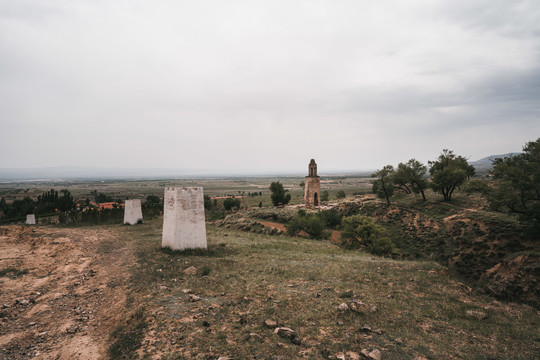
(132, 212)
(184, 225)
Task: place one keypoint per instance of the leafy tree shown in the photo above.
(331, 218)
(448, 172)
(311, 224)
(101, 197)
(279, 194)
(20, 208)
(208, 204)
(359, 230)
(517, 184)
(50, 201)
(66, 201)
(153, 199)
(324, 196)
(302, 184)
(231, 203)
(341, 194)
(3, 205)
(411, 177)
(383, 186)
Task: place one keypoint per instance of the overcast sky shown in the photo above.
(256, 86)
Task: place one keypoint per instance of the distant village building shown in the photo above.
(312, 190)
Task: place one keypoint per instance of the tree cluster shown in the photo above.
(516, 185)
(448, 172)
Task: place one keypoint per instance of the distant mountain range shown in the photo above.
(487, 162)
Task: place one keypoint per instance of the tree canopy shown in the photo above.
(448, 172)
(411, 177)
(279, 194)
(383, 186)
(517, 184)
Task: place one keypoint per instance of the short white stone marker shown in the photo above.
(184, 225)
(30, 219)
(132, 212)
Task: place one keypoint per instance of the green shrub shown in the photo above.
(310, 224)
(340, 194)
(359, 230)
(381, 246)
(231, 203)
(331, 218)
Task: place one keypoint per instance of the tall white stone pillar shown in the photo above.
(184, 224)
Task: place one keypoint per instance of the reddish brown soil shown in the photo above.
(61, 293)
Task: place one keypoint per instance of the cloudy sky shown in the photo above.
(217, 86)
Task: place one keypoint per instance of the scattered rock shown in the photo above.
(359, 307)
(192, 270)
(480, 315)
(288, 333)
(270, 323)
(186, 291)
(254, 336)
(343, 307)
(285, 332)
(399, 341)
(365, 328)
(194, 298)
(163, 287)
(224, 358)
(373, 354)
(352, 355)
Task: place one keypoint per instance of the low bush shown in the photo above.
(358, 231)
(310, 224)
(381, 246)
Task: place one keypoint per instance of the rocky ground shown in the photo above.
(58, 293)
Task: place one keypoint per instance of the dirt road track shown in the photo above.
(61, 291)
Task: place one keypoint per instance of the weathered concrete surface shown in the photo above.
(30, 219)
(184, 224)
(132, 212)
(312, 189)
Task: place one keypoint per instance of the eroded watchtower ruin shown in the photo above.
(312, 190)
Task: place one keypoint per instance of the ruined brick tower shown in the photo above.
(312, 190)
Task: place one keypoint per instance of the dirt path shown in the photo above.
(61, 291)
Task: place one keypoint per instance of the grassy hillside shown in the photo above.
(404, 309)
